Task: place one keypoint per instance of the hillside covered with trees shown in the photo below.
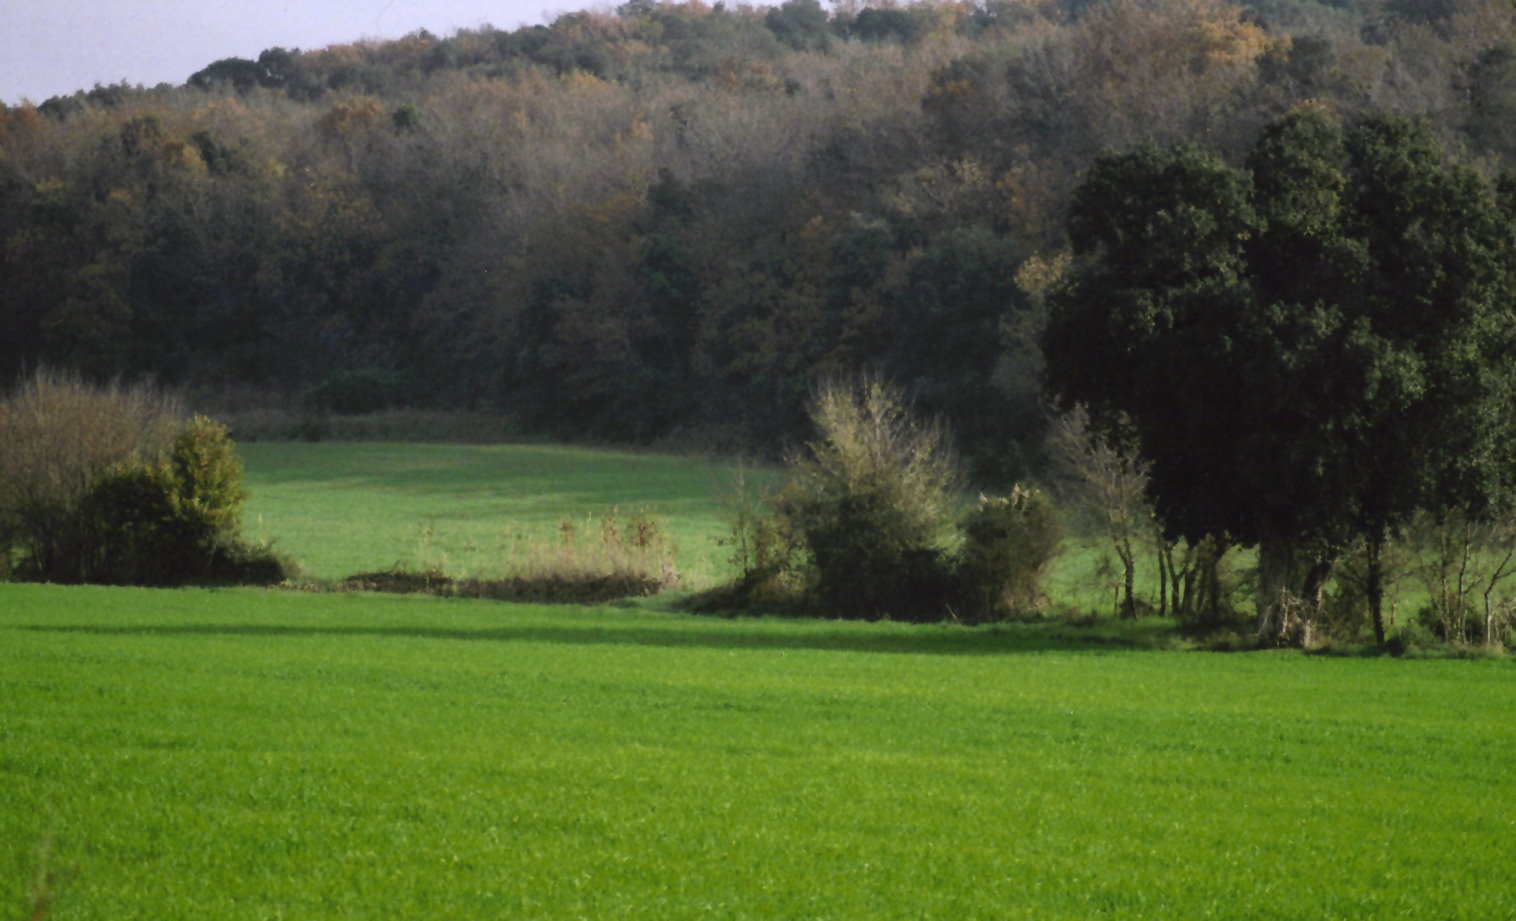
(673, 219)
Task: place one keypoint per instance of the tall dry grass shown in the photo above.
(59, 434)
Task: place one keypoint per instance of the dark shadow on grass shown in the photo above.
(593, 476)
(1000, 640)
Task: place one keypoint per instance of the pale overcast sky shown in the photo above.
(51, 47)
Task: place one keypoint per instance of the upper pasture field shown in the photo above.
(259, 754)
(341, 508)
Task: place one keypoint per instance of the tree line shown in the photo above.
(669, 220)
(1309, 350)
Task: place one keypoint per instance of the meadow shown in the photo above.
(341, 508)
(243, 753)
(258, 754)
(471, 510)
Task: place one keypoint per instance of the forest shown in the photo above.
(669, 221)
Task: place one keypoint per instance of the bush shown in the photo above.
(868, 504)
(204, 477)
(1008, 543)
(762, 553)
(59, 436)
(177, 519)
(1468, 568)
(110, 485)
(860, 529)
(135, 536)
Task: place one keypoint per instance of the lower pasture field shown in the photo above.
(238, 754)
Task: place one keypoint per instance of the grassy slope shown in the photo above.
(241, 754)
(344, 508)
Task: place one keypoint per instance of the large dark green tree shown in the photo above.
(1310, 348)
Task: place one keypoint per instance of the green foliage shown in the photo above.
(361, 390)
(679, 172)
(1310, 349)
(92, 494)
(178, 519)
(406, 118)
(800, 24)
(136, 535)
(1492, 100)
(205, 477)
(951, 345)
(1008, 542)
(874, 24)
(859, 528)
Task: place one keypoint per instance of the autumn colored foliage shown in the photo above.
(673, 219)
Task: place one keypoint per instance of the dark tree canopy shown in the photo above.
(1310, 348)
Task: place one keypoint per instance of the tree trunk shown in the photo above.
(1164, 564)
(1373, 583)
(1276, 603)
(1287, 610)
(1313, 595)
(1129, 576)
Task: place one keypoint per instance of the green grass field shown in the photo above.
(278, 754)
(341, 508)
(250, 754)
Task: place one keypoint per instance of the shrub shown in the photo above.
(177, 519)
(868, 503)
(59, 436)
(134, 535)
(860, 527)
(762, 553)
(205, 477)
(109, 484)
(1468, 568)
(1008, 543)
